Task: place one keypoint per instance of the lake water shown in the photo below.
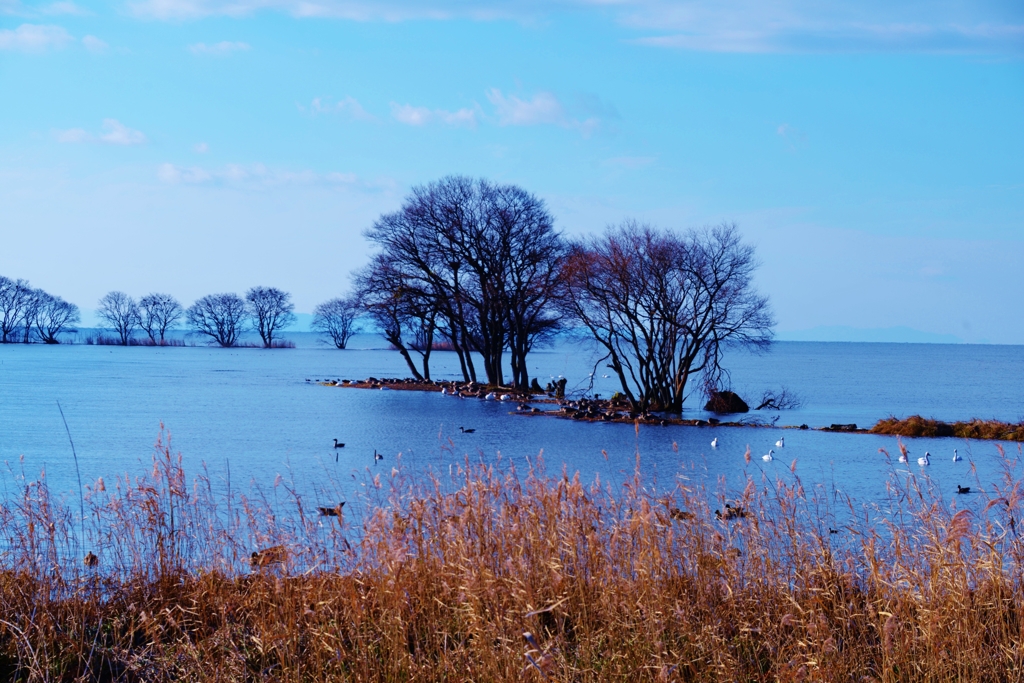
(253, 412)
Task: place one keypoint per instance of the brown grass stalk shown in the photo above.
(493, 575)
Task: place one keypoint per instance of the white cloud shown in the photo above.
(249, 175)
(225, 47)
(201, 148)
(513, 111)
(94, 45)
(543, 108)
(34, 38)
(113, 133)
(704, 25)
(348, 106)
(420, 116)
(410, 115)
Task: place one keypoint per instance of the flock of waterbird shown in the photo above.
(923, 461)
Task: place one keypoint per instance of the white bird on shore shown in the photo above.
(490, 397)
(506, 397)
(444, 391)
(769, 456)
(780, 443)
(714, 442)
(956, 456)
(924, 462)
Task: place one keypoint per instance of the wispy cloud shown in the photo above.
(113, 133)
(224, 47)
(542, 108)
(704, 25)
(421, 116)
(67, 7)
(806, 26)
(34, 38)
(251, 175)
(95, 45)
(200, 148)
(349, 107)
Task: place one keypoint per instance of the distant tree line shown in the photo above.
(28, 314)
(478, 268)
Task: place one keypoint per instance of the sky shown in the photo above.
(873, 152)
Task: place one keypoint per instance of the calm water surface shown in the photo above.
(253, 412)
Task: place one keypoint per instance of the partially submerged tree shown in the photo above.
(15, 295)
(220, 317)
(121, 313)
(336, 320)
(271, 311)
(159, 313)
(665, 306)
(54, 316)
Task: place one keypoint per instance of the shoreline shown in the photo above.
(609, 411)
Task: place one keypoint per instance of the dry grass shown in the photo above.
(916, 425)
(439, 579)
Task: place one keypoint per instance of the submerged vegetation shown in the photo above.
(493, 574)
(916, 425)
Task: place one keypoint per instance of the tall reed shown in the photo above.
(494, 574)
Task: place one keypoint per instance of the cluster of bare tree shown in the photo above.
(470, 263)
(28, 315)
(221, 318)
(480, 268)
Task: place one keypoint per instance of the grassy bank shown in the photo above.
(442, 579)
(916, 425)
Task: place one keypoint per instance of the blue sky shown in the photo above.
(873, 151)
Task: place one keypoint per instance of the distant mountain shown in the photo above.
(841, 333)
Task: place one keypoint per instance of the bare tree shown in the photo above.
(30, 314)
(665, 306)
(220, 317)
(54, 316)
(271, 311)
(14, 296)
(480, 261)
(404, 316)
(157, 314)
(122, 314)
(336, 319)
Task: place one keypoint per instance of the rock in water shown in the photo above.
(726, 402)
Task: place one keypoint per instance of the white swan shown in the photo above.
(506, 397)
(714, 442)
(490, 397)
(924, 462)
(444, 391)
(769, 456)
(956, 456)
(903, 456)
(780, 443)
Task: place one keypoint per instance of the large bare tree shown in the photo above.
(336, 320)
(157, 314)
(30, 314)
(271, 311)
(121, 313)
(219, 317)
(54, 316)
(664, 306)
(15, 295)
(480, 260)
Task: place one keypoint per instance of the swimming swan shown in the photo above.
(769, 456)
